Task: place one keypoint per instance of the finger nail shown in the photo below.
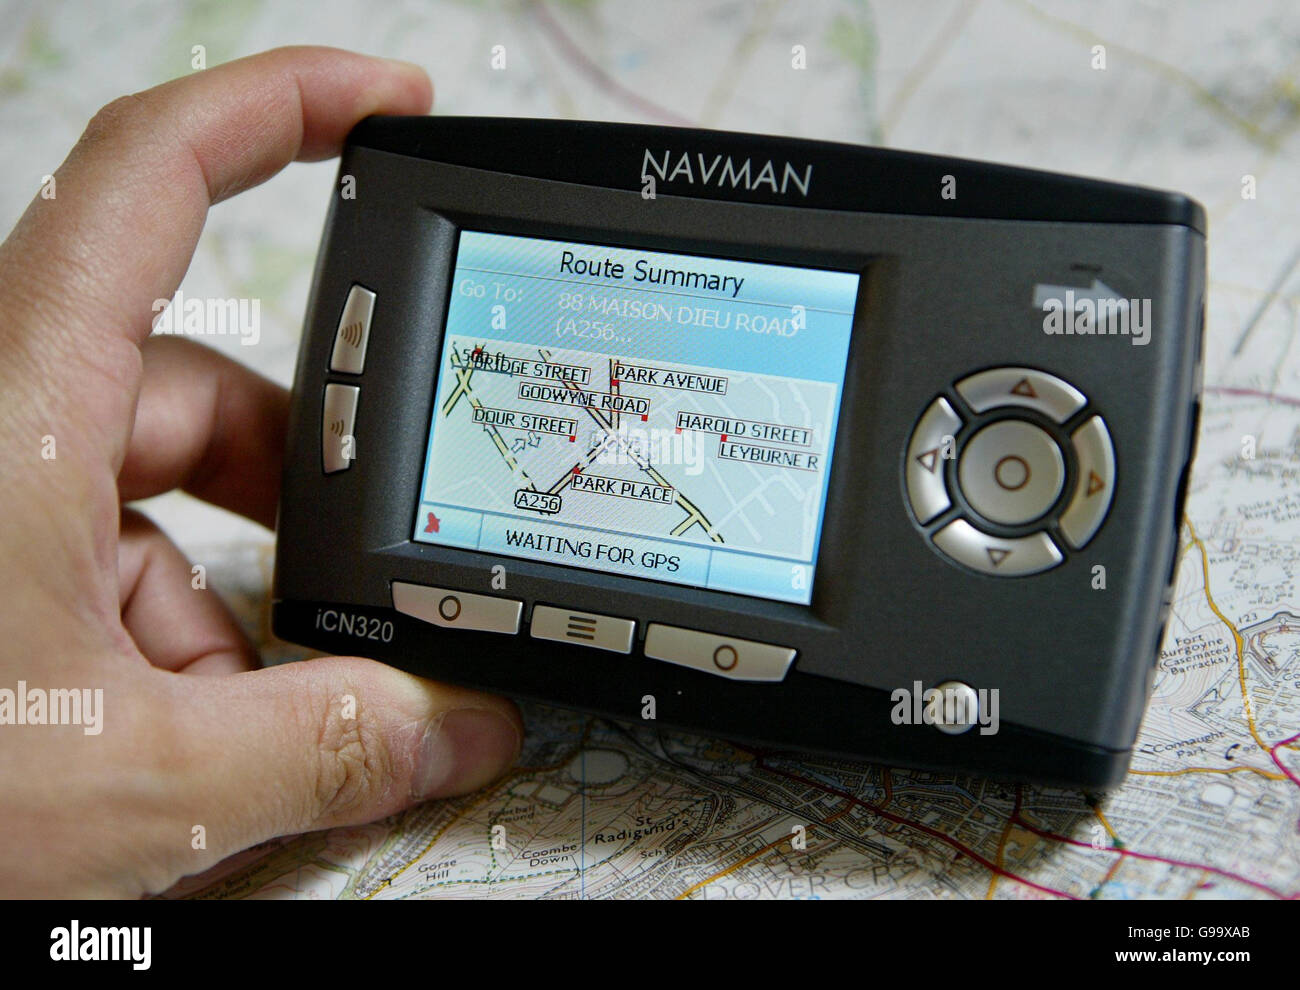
(462, 751)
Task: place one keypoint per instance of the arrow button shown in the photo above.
(1012, 557)
(1025, 387)
(1093, 494)
(931, 438)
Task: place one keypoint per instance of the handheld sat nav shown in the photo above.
(812, 446)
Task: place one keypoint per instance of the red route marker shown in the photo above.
(724, 438)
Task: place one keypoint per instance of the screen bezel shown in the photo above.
(816, 626)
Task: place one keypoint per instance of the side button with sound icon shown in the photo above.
(338, 420)
(353, 334)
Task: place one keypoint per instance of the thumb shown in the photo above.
(334, 741)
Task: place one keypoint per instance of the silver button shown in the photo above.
(338, 420)
(1014, 557)
(954, 708)
(1095, 487)
(1025, 387)
(1011, 472)
(726, 656)
(564, 625)
(457, 609)
(931, 438)
(353, 333)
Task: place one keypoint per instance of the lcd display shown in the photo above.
(661, 416)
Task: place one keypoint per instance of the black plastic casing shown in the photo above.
(946, 290)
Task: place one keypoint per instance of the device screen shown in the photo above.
(656, 415)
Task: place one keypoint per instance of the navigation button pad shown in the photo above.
(1021, 457)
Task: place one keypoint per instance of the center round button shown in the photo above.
(1011, 472)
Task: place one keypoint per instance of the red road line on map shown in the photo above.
(1045, 834)
(1273, 756)
(935, 833)
(1251, 393)
(1041, 833)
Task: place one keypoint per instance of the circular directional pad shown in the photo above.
(1011, 472)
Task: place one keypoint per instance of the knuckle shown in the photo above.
(114, 118)
(353, 765)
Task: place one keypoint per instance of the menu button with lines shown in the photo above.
(601, 632)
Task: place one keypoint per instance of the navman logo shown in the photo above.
(726, 172)
(77, 944)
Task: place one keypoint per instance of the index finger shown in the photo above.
(80, 273)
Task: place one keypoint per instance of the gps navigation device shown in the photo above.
(809, 446)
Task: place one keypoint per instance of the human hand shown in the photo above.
(97, 598)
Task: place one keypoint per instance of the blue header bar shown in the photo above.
(689, 309)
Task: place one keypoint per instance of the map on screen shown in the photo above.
(662, 416)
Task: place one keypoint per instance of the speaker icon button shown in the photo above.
(353, 333)
(338, 421)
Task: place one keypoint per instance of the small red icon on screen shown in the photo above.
(432, 525)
